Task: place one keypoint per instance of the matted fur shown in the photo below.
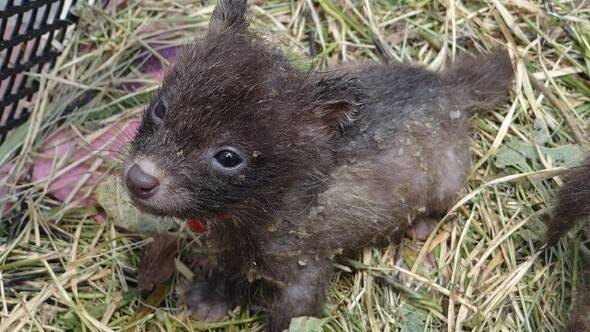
(333, 161)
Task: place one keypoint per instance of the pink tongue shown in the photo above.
(200, 225)
(197, 225)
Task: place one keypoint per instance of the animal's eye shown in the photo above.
(159, 110)
(228, 158)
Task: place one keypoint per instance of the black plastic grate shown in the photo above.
(28, 32)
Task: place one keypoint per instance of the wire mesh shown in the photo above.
(31, 32)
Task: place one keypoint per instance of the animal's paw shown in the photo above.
(421, 228)
(206, 304)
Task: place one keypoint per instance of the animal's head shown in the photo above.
(234, 127)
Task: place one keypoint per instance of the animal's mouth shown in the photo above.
(199, 225)
(171, 208)
(149, 206)
(149, 189)
(211, 217)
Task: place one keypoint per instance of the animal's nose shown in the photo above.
(140, 183)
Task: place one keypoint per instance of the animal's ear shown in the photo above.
(483, 81)
(228, 15)
(336, 102)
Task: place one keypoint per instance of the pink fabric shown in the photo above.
(152, 65)
(66, 143)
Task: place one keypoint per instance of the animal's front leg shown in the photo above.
(302, 294)
(423, 226)
(212, 299)
(207, 303)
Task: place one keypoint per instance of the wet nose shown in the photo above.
(140, 183)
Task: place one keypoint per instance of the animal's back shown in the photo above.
(398, 96)
(406, 158)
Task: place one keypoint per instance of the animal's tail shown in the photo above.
(480, 82)
(573, 203)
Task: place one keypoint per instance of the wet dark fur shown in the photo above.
(573, 205)
(334, 161)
